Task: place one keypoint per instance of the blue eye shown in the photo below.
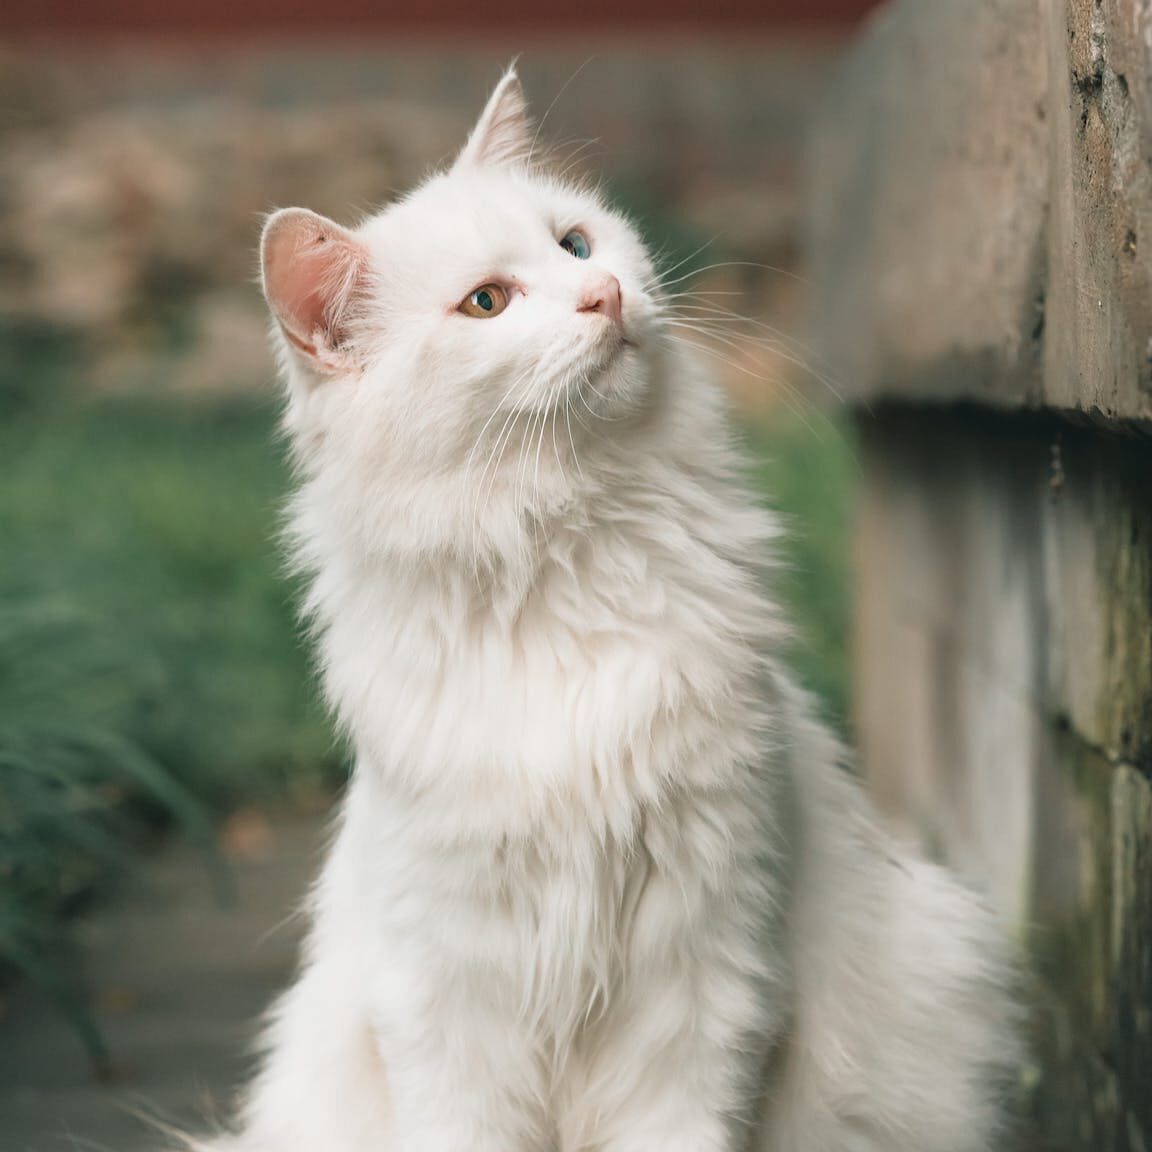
(576, 244)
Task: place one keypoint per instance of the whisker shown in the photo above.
(522, 459)
(509, 416)
(576, 157)
(659, 278)
(525, 382)
(776, 344)
(596, 392)
(553, 398)
(495, 412)
(571, 438)
(548, 111)
(668, 296)
(721, 312)
(738, 264)
(555, 416)
(580, 396)
(792, 399)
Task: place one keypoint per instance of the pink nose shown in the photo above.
(601, 293)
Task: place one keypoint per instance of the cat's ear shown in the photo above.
(503, 134)
(312, 271)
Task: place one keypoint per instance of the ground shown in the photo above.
(180, 973)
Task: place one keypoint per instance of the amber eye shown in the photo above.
(485, 302)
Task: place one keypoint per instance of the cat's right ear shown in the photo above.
(313, 272)
(503, 135)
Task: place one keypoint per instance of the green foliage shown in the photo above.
(807, 470)
(150, 669)
(69, 769)
(37, 359)
(158, 523)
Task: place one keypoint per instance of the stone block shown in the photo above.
(983, 243)
(930, 192)
(1098, 590)
(1092, 1016)
(1132, 939)
(982, 207)
(1098, 335)
(949, 603)
(1004, 714)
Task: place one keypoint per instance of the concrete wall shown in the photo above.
(982, 245)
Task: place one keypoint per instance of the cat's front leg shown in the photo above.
(461, 1076)
(676, 1062)
(675, 1081)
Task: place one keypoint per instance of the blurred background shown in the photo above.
(164, 765)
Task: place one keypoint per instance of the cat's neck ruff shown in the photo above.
(621, 650)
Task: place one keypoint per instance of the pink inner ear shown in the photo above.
(311, 270)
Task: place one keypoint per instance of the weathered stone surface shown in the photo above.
(983, 233)
(1004, 704)
(983, 220)
(1098, 336)
(1093, 1018)
(949, 600)
(1132, 938)
(1098, 589)
(930, 186)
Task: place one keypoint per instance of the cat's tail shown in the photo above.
(907, 1034)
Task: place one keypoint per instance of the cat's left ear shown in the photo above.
(503, 134)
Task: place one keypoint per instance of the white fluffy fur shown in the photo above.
(601, 883)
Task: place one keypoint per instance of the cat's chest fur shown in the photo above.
(566, 788)
(629, 673)
(567, 912)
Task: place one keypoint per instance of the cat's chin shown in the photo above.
(607, 379)
(620, 384)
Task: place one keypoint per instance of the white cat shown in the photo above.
(601, 883)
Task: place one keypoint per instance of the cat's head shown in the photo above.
(454, 360)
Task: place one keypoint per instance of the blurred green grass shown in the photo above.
(806, 467)
(151, 670)
(155, 523)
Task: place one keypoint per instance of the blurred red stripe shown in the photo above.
(283, 17)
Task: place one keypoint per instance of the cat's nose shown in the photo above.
(601, 293)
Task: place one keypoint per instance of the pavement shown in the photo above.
(179, 975)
